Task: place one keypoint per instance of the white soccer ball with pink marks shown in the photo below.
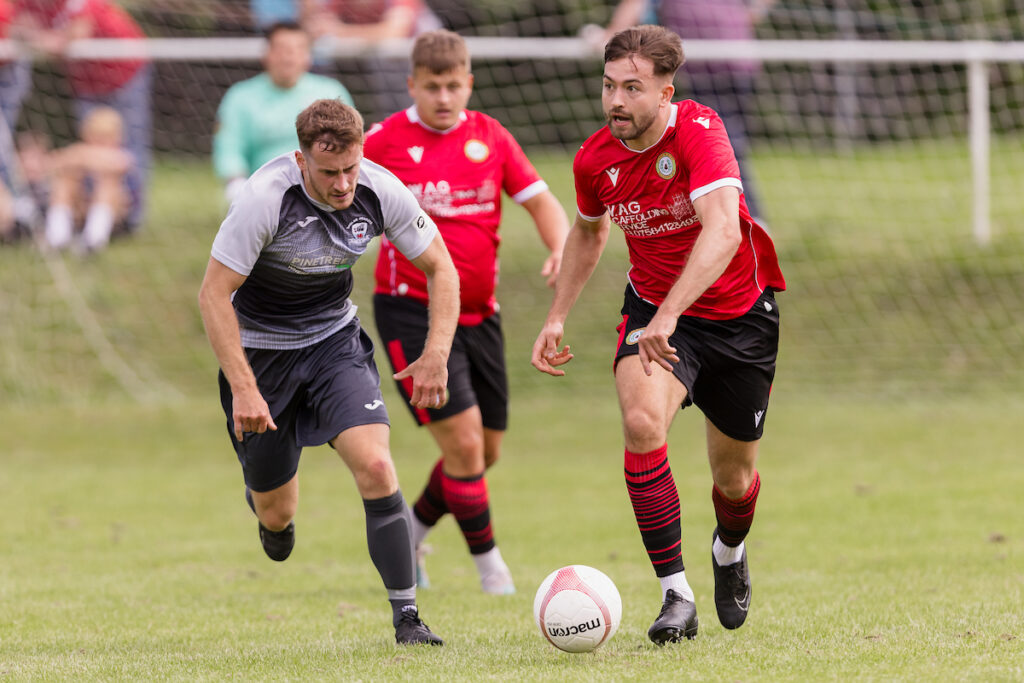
(577, 608)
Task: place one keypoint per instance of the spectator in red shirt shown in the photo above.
(50, 26)
(15, 79)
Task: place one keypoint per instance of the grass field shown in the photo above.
(888, 546)
(888, 543)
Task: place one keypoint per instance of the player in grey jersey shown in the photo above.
(296, 368)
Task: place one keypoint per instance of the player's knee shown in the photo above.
(642, 428)
(734, 482)
(465, 448)
(377, 474)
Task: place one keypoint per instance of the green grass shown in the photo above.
(887, 546)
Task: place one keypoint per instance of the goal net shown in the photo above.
(882, 141)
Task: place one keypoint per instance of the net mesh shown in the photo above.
(861, 170)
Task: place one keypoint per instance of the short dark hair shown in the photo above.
(440, 51)
(331, 125)
(282, 25)
(661, 46)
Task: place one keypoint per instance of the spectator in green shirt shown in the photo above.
(256, 118)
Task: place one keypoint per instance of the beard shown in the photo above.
(640, 124)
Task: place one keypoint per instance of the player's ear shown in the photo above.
(667, 92)
(300, 160)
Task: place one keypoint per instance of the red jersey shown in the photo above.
(89, 77)
(457, 176)
(649, 195)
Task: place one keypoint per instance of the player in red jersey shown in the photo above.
(457, 162)
(699, 323)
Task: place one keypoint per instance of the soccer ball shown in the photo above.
(577, 608)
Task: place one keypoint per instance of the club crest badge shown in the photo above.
(360, 230)
(665, 166)
(634, 336)
(476, 150)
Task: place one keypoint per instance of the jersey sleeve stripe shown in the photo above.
(711, 187)
(530, 191)
(592, 219)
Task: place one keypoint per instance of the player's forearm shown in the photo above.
(583, 248)
(712, 252)
(221, 325)
(443, 311)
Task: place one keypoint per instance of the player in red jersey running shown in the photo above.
(457, 162)
(699, 324)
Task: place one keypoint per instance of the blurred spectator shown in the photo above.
(90, 198)
(49, 26)
(726, 87)
(373, 21)
(15, 79)
(21, 203)
(256, 118)
(266, 13)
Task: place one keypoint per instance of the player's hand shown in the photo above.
(552, 264)
(429, 375)
(546, 355)
(250, 413)
(654, 346)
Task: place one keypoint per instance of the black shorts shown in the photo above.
(727, 366)
(314, 393)
(476, 366)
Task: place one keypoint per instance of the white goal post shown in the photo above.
(976, 56)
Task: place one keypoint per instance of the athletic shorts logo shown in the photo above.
(634, 336)
(666, 166)
(476, 150)
(377, 403)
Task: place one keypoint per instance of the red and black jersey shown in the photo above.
(458, 176)
(649, 195)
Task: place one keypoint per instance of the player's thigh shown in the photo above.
(485, 349)
(648, 403)
(342, 388)
(364, 449)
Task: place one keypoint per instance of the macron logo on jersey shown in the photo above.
(704, 121)
(613, 175)
(416, 153)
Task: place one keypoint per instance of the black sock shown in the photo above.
(389, 539)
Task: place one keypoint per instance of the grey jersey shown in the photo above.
(297, 252)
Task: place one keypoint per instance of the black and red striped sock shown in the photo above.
(431, 506)
(735, 516)
(467, 500)
(652, 490)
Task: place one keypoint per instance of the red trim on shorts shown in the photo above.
(622, 335)
(398, 360)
